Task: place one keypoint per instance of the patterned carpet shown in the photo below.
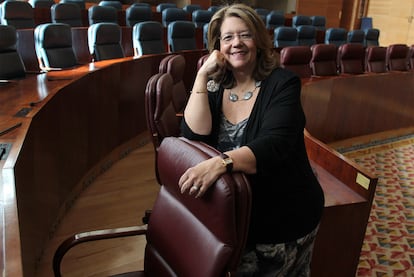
(388, 248)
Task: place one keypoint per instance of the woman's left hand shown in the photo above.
(197, 179)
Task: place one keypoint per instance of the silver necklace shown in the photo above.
(247, 95)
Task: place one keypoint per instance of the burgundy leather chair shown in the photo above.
(186, 236)
(375, 59)
(351, 58)
(397, 57)
(297, 59)
(161, 116)
(175, 65)
(324, 59)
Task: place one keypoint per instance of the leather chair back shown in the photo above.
(11, 64)
(306, 35)
(214, 8)
(336, 36)
(53, 45)
(80, 3)
(175, 66)
(372, 37)
(104, 40)
(110, 3)
(201, 17)
(181, 36)
(356, 36)
(297, 59)
(98, 14)
(161, 117)
(172, 14)
(262, 13)
(324, 59)
(285, 36)
(299, 20)
(319, 21)
(275, 19)
(162, 6)
(19, 14)
(148, 38)
(67, 13)
(45, 4)
(135, 14)
(190, 8)
(351, 57)
(397, 57)
(375, 59)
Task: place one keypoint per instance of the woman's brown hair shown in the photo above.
(266, 58)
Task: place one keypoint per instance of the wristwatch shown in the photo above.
(227, 162)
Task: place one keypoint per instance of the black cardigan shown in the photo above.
(287, 198)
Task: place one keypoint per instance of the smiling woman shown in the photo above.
(252, 113)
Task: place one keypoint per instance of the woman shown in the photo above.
(246, 106)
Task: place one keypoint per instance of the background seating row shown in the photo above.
(349, 58)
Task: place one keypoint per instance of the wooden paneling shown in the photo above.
(392, 17)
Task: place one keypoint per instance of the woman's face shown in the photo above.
(237, 44)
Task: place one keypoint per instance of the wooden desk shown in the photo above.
(343, 107)
(74, 124)
(349, 191)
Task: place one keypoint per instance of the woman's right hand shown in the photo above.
(214, 66)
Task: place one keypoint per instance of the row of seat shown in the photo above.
(53, 44)
(350, 58)
(307, 35)
(20, 14)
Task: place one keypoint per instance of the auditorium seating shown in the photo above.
(201, 17)
(111, 3)
(275, 19)
(136, 13)
(262, 13)
(186, 235)
(98, 14)
(172, 14)
(67, 13)
(337, 36)
(11, 64)
(148, 38)
(297, 59)
(298, 20)
(104, 40)
(162, 6)
(375, 59)
(181, 36)
(319, 21)
(80, 3)
(356, 36)
(306, 35)
(397, 57)
(371, 37)
(324, 60)
(53, 44)
(190, 8)
(41, 3)
(19, 14)
(205, 36)
(285, 36)
(351, 58)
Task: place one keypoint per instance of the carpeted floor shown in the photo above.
(388, 248)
